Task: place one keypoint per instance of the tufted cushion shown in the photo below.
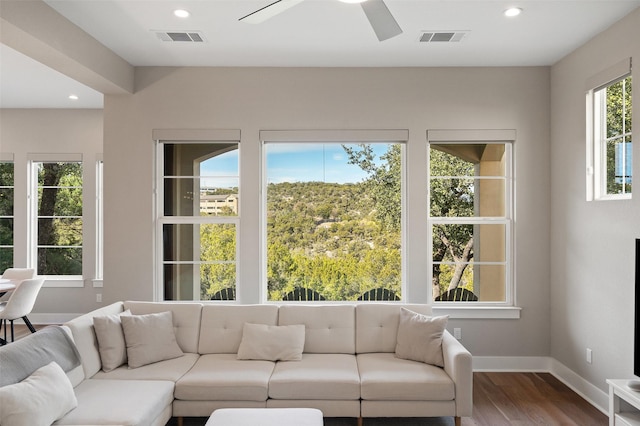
(221, 328)
(377, 325)
(330, 329)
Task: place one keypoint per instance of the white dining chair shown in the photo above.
(17, 275)
(19, 305)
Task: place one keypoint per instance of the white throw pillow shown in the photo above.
(272, 342)
(40, 399)
(150, 338)
(420, 337)
(111, 344)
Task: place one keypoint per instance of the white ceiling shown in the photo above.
(314, 33)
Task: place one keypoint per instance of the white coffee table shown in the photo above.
(266, 417)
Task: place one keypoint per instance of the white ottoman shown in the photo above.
(266, 417)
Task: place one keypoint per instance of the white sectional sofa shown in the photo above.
(348, 366)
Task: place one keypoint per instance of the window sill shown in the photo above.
(487, 312)
(63, 282)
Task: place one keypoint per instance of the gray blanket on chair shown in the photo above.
(18, 360)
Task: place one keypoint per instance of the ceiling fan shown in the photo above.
(377, 12)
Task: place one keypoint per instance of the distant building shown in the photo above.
(214, 204)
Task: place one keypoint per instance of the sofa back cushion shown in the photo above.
(221, 328)
(186, 320)
(329, 328)
(85, 338)
(377, 325)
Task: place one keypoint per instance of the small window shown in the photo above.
(57, 218)
(198, 219)
(6, 215)
(612, 140)
(470, 221)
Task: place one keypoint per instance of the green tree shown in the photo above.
(6, 209)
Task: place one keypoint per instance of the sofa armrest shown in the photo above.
(458, 364)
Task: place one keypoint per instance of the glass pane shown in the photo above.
(201, 159)
(6, 201)
(469, 282)
(619, 165)
(180, 281)
(333, 221)
(201, 196)
(463, 243)
(59, 261)
(6, 258)
(205, 243)
(468, 160)
(6, 232)
(60, 232)
(628, 105)
(6, 174)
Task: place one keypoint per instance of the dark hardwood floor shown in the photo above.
(499, 399)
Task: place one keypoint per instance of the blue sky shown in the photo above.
(292, 162)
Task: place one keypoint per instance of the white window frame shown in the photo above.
(32, 222)
(596, 140)
(8, 158)
(179, 136)
(99, 252)
(498, 309)
(400, 136)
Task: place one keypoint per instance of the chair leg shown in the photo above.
(457, 421)
(26, 321)
(11, 321)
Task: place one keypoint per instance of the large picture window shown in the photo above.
(333, 220)
(470, 221)
(198, 219)
(56, 203)
(6, 214)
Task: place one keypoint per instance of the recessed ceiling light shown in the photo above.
(181, 13)
(513, 11)
(73, 97)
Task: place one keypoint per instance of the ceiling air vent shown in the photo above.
(442, 36)
(188, 36)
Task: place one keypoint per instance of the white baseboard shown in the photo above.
(591, 393)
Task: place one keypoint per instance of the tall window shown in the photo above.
(57, 218)
(6, 215)
(198, 220)
(99, 220)
(333, 221)
(612, 140)
(470, 221)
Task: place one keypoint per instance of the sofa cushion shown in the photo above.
(330, 329)
(114, 402)
(377, 325)
(186, 320)
(111, 344)
(40, 399)
(316, 376)
(171, 370)
(222, 377)
(420, 337)
(385, 377)
(272, 342)
(221, 328)
(150, 338)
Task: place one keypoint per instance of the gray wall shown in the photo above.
(592, 243)
(254, 99)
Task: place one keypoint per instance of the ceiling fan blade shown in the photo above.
(381, 20)
(269, 11)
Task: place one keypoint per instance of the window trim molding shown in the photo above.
(508, 308)
(183, 136)
(399, 136)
